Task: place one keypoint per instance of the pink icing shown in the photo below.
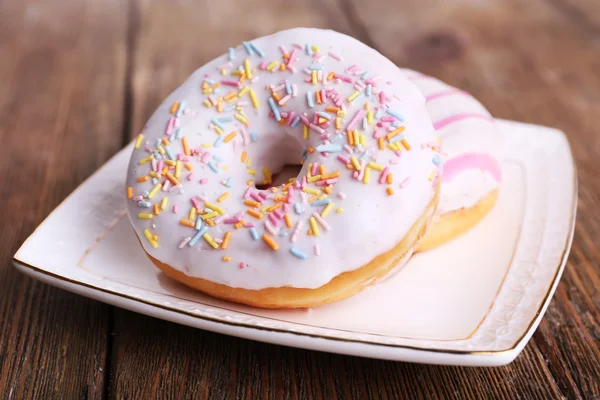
(459, 117)
(466, 161)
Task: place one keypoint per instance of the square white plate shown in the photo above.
(474, 301)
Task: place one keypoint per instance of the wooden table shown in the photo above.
(79, 78)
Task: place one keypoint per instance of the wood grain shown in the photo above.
(105, 66)
(60, 119)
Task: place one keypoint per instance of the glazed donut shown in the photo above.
(366, 192)
(470, 147)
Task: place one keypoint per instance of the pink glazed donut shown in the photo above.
(366, 192)
(470, 145)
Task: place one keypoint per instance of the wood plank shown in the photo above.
(61, 85)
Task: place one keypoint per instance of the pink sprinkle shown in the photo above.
(334, 56)
(332, 181)
(315, 168)
(342, 195)
(249, 225)
(317, 128)
(357, 117)
(355, 174)
(270, 228)
(378, 133)
(326, 124)
(304, 119)
(317, 250)
(256, 197)
(184, 242)
(370, 82)
(247, 193)
(154, 164)
(361, 174)
(203, 181)
(382, 98)
(290, 197)
(303, 197)
(205, 157)
(202, 197)
(321, 221)
(170, 126)
(321, 183)
(175, 208)
(138, 198)
(291, 118)
(220, 218)
(166, 186)
(348, 149)
(189, 177)
(315, 118)
(388, 118)
(241, 265)
(263, 195)
(231, 221)
(278, 214)
(196, 203)
(294, 90)
(343, 159)
(285, 99)
(245, 137)
(398, 153)
(292, 57)
(351, 68)
(282, 49)
(273, 219)
(262, 66)
(344, 78)
(384, 174)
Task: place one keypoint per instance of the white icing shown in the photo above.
(372, 222)
(472, 135)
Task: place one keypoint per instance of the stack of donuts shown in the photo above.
(390, 161)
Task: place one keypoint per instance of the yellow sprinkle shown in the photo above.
(431, 175)
(220, 106)
(177, 169)
(226, 258)
(161, 150)
(268, 175)
(129, 192)
(362, 140)
(252, 171)
(214, 207)
(138, 141)
(315, 48)
(241, 118)
(311, 191)
(230, 137)
(206, 145)
(272, 65)
(392, 146)
(264, 209)
(207, 103)
(223, 71)
(207, 91)
(367, 175)
(313, 226)
(150, 238)
(146, 159)
(243, 91)
(226, 240)
(327, 210)
(247, 68)
(323, 196)
(192, 215)
(389, 191)
(375, 166)
(163, 203)
(313, 179)
(249, 161)
(353, 95)
(253, 98)
(145, 216)
(255, 213)
(209, 215)
(223, 197)
(288, 220)
(154, 190)
(305, 132)
(355, 163)
(219, 130)
(210, 240)
(270, 242)
(339, 210)
(175, 107)
(356, 138)
(170, 162)
(341, 113)
(314, 77)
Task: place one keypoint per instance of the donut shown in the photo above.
(200, 184)
(470, 145)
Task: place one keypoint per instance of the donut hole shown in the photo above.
(281, 176)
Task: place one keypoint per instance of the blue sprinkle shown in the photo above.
(248, 48)
(208, 210)
(363, 156)
(218, 142)
(396, 138)
(318, 203)
(210, 81)
(231, 54)
(181, 191)
(169, 152)
(369, 89)
(298, 208)
(198, 235)
(298, 253)
(396, 123)
(395, 114)
(145, 194)
(228, 182)
(225, 119)
(436, 159)
(316, 67)
(365, 75)
(309, 50)
(157, 155)
(274, 109)
(364, 123)
(257, 50)
(324, 115)
(337, 138)
(217, 123)
(254, 136)
(310, 99)
(378, 114)
(288, 87)
(329, 148)
(199, 223)
(217, 158)
(213, 167)
(178, 133)
(254, 233)
(228, 109)
(145, 204)
(295, 122)
(283, 234)
(180, 109)
(154, 181)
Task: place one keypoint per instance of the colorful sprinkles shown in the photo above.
(279, 215)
